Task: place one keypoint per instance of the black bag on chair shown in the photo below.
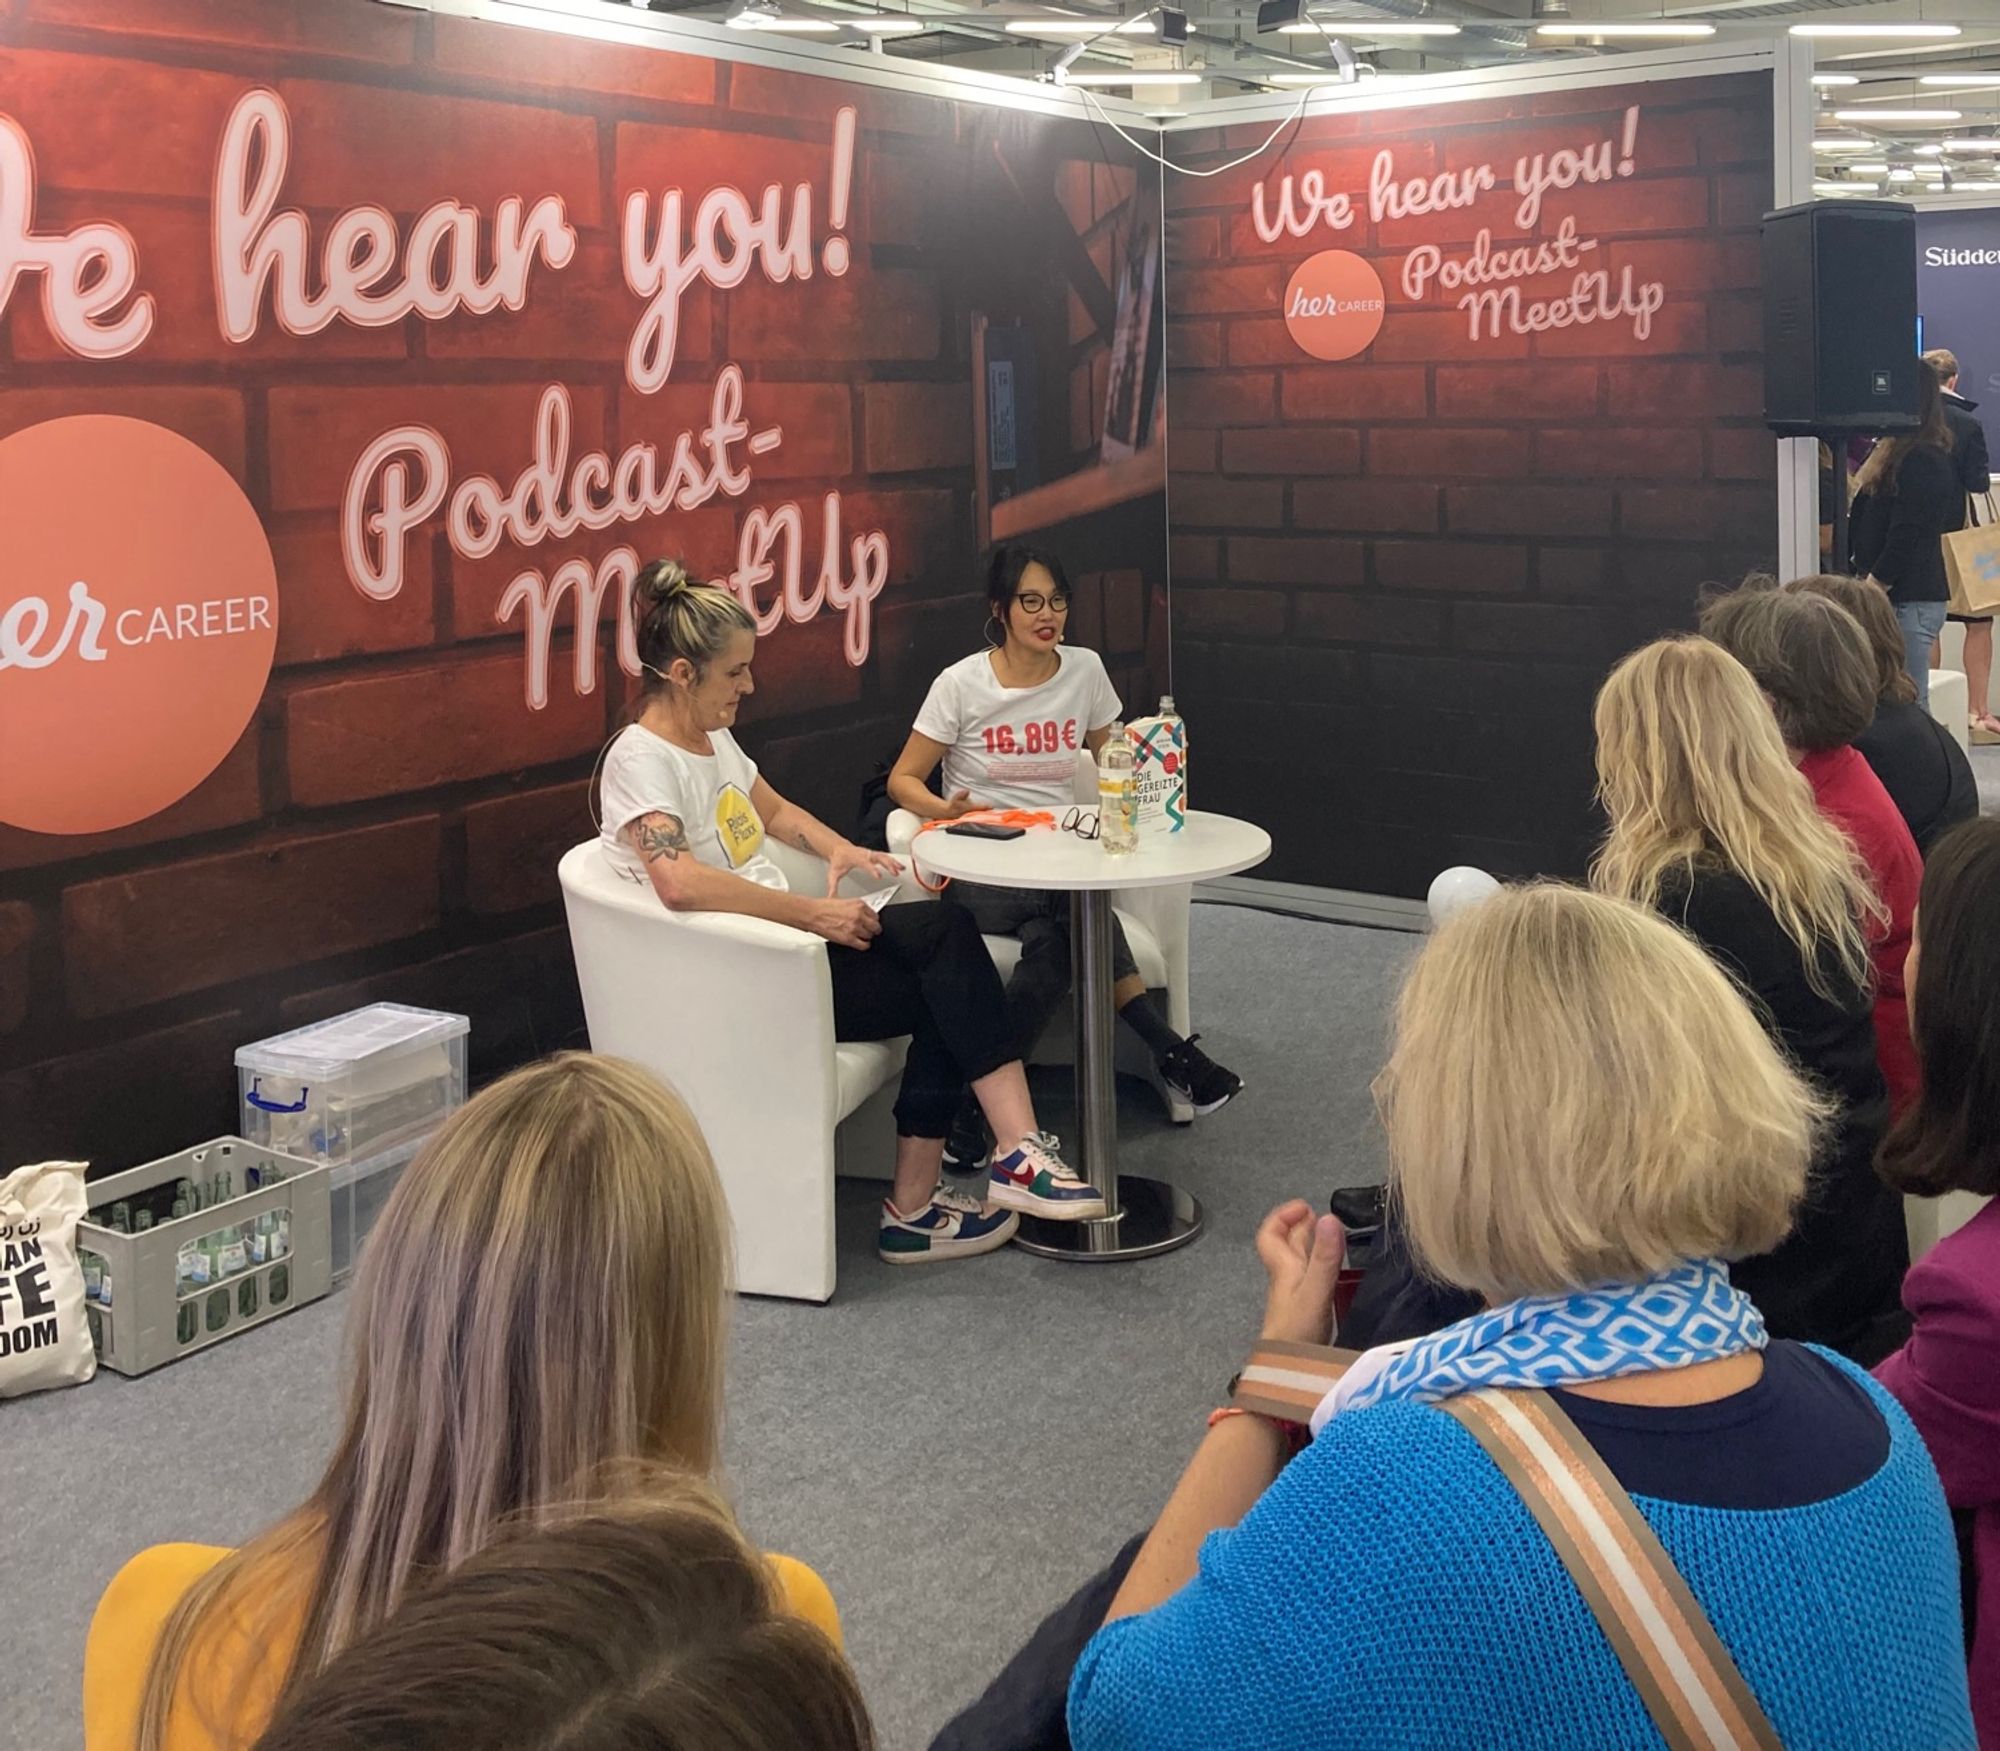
(871, 824)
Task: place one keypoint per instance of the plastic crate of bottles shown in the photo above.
(361, 1092)
(197, 1247)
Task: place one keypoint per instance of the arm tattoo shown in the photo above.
(802, 839)
(658, 836)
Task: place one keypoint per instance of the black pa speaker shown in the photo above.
(1840, 318)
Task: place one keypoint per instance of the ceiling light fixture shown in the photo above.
(1966, 81)
(1898, 115)
(1836, 78)
(886, 26)
(1386, 27)
(764, 15)
(1841, 143)
(1968, 145)
(1083, 27)
(1902, 173)
(1133, 76)
(1869, 169)
(1887, 33)
(1625, 28)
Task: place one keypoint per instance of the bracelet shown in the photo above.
(1225, 1412)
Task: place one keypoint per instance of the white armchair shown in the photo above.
(1156, 927)
(736, 1014)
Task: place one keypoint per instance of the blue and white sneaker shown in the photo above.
(953, 1225)
(1035, 1179)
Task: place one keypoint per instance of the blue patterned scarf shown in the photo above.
(1686, 1314)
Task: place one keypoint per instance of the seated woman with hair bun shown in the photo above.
(1585, 1124)
(684, 808)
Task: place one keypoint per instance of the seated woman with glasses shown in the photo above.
(1006, 722)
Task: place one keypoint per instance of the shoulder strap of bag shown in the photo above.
(1662, 1637)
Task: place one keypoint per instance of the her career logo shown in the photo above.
(1334, 305)
(138, 620)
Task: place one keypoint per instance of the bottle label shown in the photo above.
(197, 1267)
(260, 1247)
(233, 1258)
(104, 1290)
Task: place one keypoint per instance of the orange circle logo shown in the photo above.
(1334, 304)
(138, 618)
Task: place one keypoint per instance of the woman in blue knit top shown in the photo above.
(1584, 1119)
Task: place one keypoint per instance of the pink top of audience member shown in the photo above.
(1948, 1378)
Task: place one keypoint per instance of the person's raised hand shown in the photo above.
(851, 923)
(1302, 1258)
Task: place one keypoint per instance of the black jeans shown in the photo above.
(929, 976)
(1025, 1708)
(1041, 978)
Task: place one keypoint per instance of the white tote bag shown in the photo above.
(44, 1339)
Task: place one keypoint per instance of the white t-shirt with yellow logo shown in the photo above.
(709, 794)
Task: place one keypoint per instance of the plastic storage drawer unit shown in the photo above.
(361, 1092)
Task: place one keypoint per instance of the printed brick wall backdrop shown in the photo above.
(1400, 576)
(389, 823)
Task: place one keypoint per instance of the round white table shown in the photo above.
(1142, 1216)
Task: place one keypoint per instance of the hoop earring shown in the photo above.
(990, 630)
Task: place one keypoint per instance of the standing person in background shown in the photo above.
(1813, 662)
(1918, 760)
(1712, 826)
(1006, 722)
(1907, 498)
(1975, 478)
(1948, 1375)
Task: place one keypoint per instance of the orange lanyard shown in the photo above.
(1023, 818)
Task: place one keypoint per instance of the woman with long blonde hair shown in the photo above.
(1713, 826)
(541, 1303)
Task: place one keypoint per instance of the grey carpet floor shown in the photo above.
(1986, 770)
(954, 1448)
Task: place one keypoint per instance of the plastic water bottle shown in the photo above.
(1117, 795)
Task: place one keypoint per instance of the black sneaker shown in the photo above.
(1196, 1077)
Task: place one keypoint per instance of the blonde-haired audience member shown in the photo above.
(541, 1302)
(1918, 760)
(1713, 826)
(1813, 662)
(1585, 1122)
(642, 1623)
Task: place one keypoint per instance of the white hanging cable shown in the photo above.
(1144, 150)
(1341, 55)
